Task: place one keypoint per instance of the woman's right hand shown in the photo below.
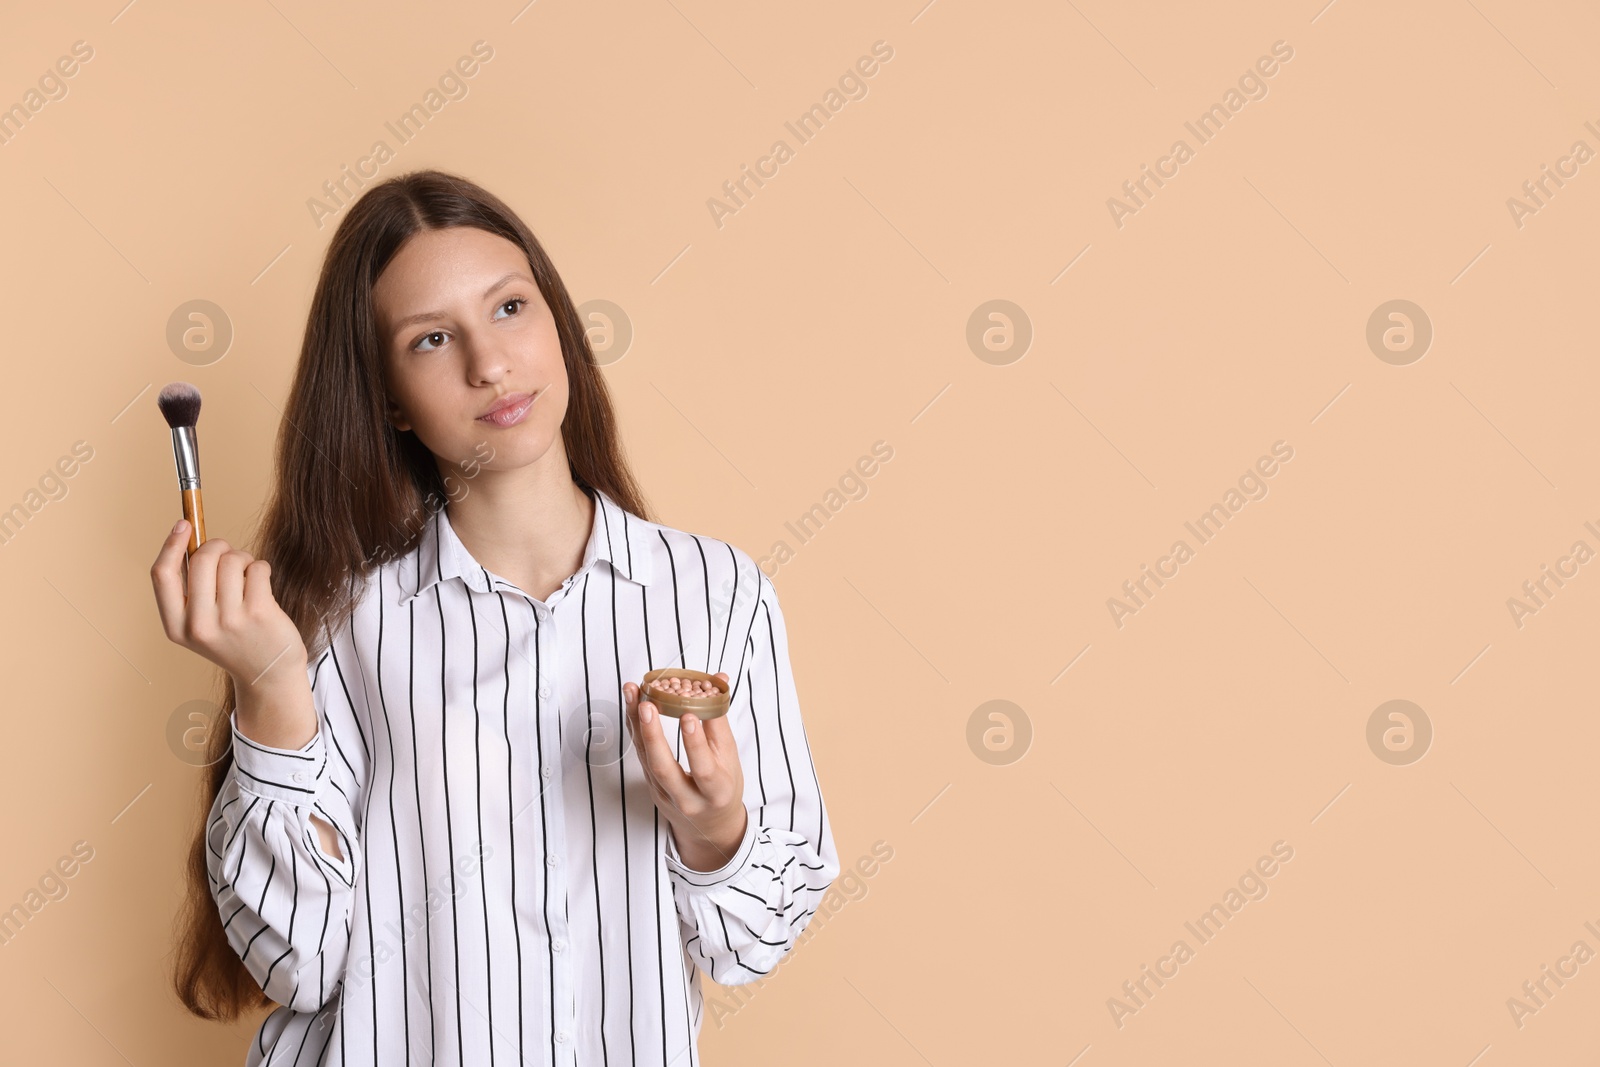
(229, 615)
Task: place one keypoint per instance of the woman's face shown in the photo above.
(464, 325)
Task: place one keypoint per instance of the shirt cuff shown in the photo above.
(722, 875)
(292, 776)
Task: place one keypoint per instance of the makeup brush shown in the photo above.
(180, 406)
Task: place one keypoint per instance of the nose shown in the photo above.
(487, 359)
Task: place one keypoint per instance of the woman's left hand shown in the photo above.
(704, 805)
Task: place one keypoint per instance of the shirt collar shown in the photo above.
(618, 537)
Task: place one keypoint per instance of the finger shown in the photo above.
(655, 754)
(630, 710)
(258, 584)
(203, 584)
(719, 734)
(630, 707)
(230, 584)
(702, 761)
(663, 767)
(167, 578)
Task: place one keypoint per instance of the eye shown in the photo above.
(516, 301)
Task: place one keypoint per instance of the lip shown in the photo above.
(509, 409)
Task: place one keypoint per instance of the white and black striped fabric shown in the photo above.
(507, 891)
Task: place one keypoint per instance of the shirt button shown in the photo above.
(561, 1035)
(559, 945)
(548, 772)
(299, 776)
(553, 860)
(544, 691)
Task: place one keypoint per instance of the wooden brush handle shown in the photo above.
(197, 519)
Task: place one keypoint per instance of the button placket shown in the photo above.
(564, 981)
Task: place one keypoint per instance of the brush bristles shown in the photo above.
(180, 404)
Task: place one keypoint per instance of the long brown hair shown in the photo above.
(350, 491)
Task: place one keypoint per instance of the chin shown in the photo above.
(520, 446)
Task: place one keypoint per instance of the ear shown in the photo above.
(391, 411)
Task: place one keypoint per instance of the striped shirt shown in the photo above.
(507, 891)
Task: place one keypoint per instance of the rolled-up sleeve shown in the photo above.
(738, 921)
(283, 900)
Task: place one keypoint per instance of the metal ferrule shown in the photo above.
(186, 454)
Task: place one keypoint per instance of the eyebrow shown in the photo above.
(426, 315)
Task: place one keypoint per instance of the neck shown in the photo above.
(529, 526)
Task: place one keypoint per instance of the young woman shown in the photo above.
(442, 827)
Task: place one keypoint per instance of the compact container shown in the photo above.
(711, 707)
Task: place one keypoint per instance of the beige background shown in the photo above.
(830, 312)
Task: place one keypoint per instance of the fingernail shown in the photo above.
(689, 724)
(178, 525)
(645, 712)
